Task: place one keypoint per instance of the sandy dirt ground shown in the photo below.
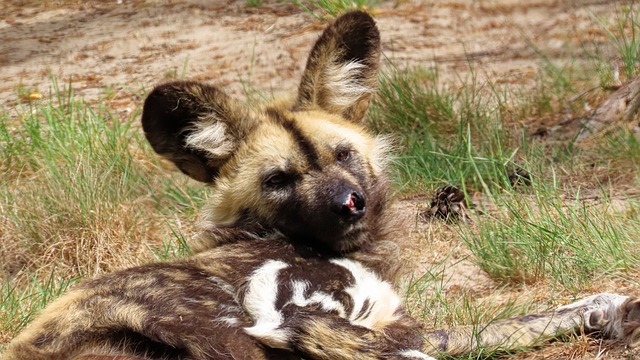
(115, 51)
(127, 46)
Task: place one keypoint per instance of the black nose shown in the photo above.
(349, 205)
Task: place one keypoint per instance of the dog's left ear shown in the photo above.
(196, 126)
(342, 71)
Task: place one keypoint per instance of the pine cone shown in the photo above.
(448, 203)
(519, 176)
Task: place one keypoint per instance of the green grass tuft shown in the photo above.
(445, 137)
(18, 305)
(547, 238)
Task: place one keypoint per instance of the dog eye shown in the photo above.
(276, 179)
(343, 155)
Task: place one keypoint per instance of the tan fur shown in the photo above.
(299, 201)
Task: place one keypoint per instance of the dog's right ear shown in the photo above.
(342, 70)
(196, 126)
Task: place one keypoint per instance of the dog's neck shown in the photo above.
(376, 249)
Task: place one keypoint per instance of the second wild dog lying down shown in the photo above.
(296, 259)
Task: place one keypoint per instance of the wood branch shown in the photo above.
(621, 106)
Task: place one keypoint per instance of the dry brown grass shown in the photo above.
(80, 194)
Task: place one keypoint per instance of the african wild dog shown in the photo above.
(295, 259)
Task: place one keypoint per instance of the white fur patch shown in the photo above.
(211, 135)
(227, 320)
(415, 354)
(344, 83)
(325, 300)
(299, 287)
(382, 147)
(259, 303)
(371, 309)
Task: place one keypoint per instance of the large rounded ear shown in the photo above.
(342, 70)
(196, 126)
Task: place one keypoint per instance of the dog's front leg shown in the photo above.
(611, 316)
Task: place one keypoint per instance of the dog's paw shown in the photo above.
(631, 322)
(613, 316)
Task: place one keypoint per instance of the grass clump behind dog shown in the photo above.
(77, 198)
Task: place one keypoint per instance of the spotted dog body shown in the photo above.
(296, 258)
(297, 302)
(205, 307)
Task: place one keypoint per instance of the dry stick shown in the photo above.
(622, 105)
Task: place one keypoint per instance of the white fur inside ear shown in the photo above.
(211, 136)
(344, 84)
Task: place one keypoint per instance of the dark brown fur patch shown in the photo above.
(306, 146)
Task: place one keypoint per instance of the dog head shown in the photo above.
(308, 169)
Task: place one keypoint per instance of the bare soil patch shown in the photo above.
(131, 45)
